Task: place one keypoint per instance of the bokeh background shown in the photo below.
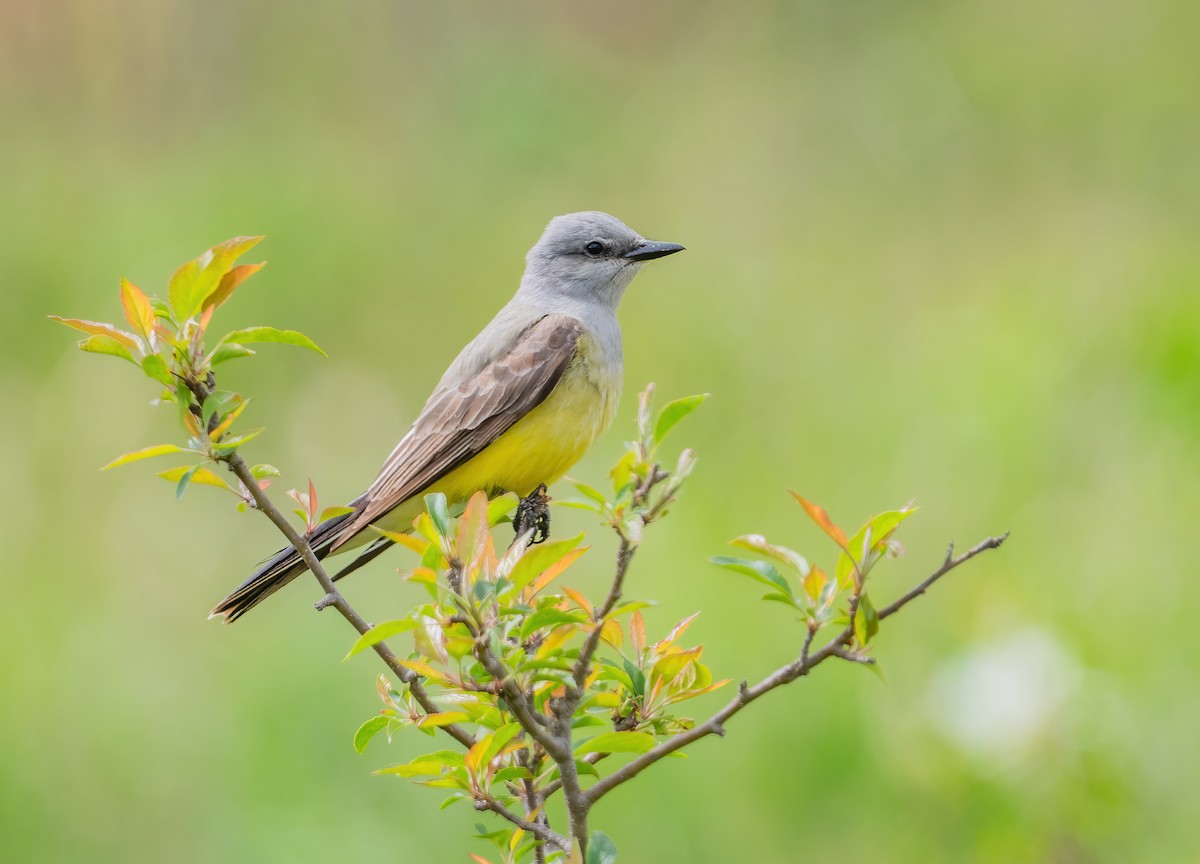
(936, 250)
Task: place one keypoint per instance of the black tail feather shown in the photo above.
(284, 566)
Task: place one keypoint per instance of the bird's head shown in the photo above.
(589, 256)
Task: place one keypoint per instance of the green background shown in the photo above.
(936, 250)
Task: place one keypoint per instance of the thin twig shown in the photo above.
(784, 675)
(537, 829)
(949, 564)
(517, 701)
(334, 598)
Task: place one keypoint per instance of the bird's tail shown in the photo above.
(280, 569)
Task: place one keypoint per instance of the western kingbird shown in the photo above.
(518, 406)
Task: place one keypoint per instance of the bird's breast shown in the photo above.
(543, 445)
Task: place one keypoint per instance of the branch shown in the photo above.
(537, 829)
(624, 556)
(784, 675)
(949, 564)
(334, 598)
(515, 696)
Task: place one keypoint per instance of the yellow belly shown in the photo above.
(539, 448)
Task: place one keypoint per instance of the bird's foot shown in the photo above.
(534, 513)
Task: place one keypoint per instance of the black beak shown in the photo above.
(651, 249)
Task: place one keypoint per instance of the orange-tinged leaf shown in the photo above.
(478, 859)
(138, 311)
(537, 559)
(637, 634)
(580, 601)
(229, 283)
(312, 499)
(699, 691)
(202, 324)
(195, 281)
(675, 633)
(99, 328)
(814, 582)
(817, 513)
(555, 570)
(471, 540)
(189, 420)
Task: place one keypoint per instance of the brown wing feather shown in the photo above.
(458, 423)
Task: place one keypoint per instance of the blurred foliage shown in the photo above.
(936, 250)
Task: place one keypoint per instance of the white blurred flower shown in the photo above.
(997, 701)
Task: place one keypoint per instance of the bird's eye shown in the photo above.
(595, 248)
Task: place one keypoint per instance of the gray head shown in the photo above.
(588, 256)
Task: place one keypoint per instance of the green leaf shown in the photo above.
(486, 748)
(200, 474)
(239, 440)
(512, 772)
(777, 597)
(590, 491)
(617, 742)
(428, 765)
(435, 505)
(501, 506)
(144, 453)
(379, 632)
(272, 334)
(106, 345)
(264, 470)
(673, 412)
(782, 554)
(184, 480)
(550, 617)
(228, 351)
(155, 367)
(881, 527)
(763, 571)
(601, 850)
(334, 512)
(192, 283)
(577, 504)
(866, 620)
(369, 730)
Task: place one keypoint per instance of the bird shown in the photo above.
(518, 406)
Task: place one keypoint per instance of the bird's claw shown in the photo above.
(534, 513)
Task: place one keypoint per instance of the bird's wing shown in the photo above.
(457, 423)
